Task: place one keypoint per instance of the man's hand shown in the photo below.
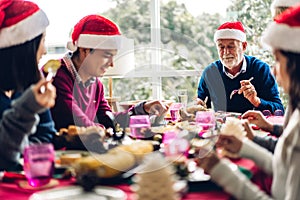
(201, 102)
(249, 92)
(155, 107)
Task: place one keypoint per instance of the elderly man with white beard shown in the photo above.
(251, 78)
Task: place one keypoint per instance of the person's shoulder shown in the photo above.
(254, 60)
(63, 72)
(257, 64)
(291, 131)
(214, 65)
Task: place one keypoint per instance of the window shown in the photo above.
(167, 52)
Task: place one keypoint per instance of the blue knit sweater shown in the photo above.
(217, 87)
(44, 130)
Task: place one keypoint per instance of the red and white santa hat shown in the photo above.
(231, 30)
(95, 32)
(20, 21)
(284, 32)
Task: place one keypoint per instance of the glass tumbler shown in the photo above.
(182, 97)
(140, 126)
(207, 120)
(39, 164)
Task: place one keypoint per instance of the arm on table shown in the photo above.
(268, 142)
(227, 175)
(261, 156)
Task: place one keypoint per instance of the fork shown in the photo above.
(236, 90)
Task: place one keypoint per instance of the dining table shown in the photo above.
(196, 190)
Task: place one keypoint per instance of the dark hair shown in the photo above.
(18, 65)
(293, 71)
(279, 10)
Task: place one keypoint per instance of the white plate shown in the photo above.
(77, 193)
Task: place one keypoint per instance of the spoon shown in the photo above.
(236, 90)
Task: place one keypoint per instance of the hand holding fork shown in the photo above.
(248, 91)
(239, 91)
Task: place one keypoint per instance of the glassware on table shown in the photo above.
(207, 120)
(39, 164)
(140, 127)
(278, 113)
(182, 97)
(174, 145)
(174, 111)
(266, 113)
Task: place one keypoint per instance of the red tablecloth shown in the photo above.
(12, 191)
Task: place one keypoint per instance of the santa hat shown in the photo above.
(95, 32)
(284, 32)
(20, 21)
(231, 30)
(284, 3)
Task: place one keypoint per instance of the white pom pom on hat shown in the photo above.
(284, 32)
(20, 21)
(95, 32)
(231, 30)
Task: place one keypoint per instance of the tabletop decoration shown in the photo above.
(156, 180)
(232, 126)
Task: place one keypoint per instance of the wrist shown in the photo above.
(256, 102)
(145, 108)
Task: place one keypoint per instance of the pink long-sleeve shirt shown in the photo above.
(83, 104)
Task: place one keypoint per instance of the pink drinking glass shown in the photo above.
(205, 119)
(140, 126)
(39, 164)
(174, 145)
(174, 111)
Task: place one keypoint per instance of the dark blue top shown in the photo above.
(45, 129)
(217, 86)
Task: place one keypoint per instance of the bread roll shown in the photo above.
(105, 165)
(138, 149)
(68, 159)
